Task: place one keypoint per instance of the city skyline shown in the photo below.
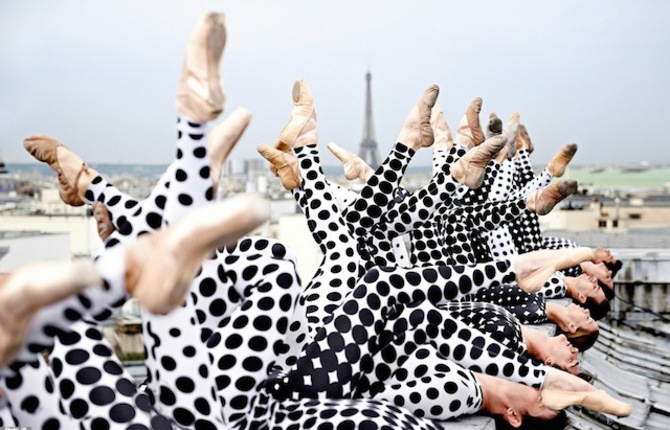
(101, 78)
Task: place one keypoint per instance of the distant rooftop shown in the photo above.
(635, 238)
(21, 234)
(578, 201)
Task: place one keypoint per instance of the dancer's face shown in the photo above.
(562, 354)
(580, 320)
(588, 287)
(600, 272)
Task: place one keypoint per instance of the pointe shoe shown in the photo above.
(161, 266)
(283, 165)
(354, 166)
(416, 132)
(469, 131)
(102, 220)
(469, 170)
(512, 133)
(601, 255)
(495, 125)
(560, 161)
(523, 140)
(74, 175)
(598, 401)
(440, 128)
(301, 129)
(200, 95)
(222, 139)
(542, 201)
(31, 287)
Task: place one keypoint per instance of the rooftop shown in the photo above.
(634, 238)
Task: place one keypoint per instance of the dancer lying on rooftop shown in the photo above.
(328, 227)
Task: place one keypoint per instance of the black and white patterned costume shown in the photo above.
(367, 348)
(227, 336)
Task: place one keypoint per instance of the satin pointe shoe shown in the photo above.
(283, 165)
(74, 176)
(200, 95)
(542, 201)
(161, 266)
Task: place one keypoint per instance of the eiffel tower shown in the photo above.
(369, 151)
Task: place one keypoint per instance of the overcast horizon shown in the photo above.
(101, 77)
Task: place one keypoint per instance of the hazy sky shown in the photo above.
(101, 75)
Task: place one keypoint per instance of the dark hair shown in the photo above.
(598, 311)
(614, 267)
(583, 341)
(609, 292)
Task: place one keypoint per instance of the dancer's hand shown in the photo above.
(602, 255)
